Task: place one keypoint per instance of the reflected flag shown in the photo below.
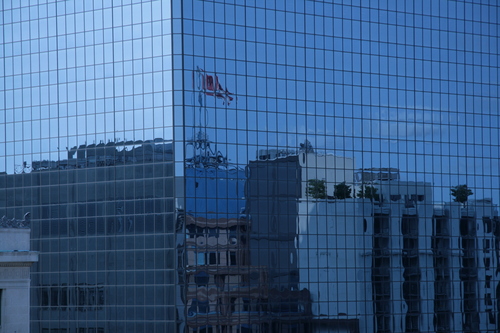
(211, 86)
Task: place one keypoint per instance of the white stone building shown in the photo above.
(15, 261)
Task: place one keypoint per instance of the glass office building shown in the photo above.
(255, 166)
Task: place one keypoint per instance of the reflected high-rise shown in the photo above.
(246, 166)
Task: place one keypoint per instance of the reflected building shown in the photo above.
(221, 289)
(226, 284)
(129, 129)
(465, 246)
(399, 263)
(105, 232)
(276, 183)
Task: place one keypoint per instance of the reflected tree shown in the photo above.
(461, 193)
(342, 191)
(368, 192)
(316, 188)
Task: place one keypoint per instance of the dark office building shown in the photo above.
(272, 192)
(191, 165)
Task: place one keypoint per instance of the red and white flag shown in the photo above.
(211, 86)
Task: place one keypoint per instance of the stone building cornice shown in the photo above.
(15, 223)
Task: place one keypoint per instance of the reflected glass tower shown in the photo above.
(255, 166)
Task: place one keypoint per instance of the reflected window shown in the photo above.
(200, 258)
(201, 279)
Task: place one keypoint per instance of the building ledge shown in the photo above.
(17, 258)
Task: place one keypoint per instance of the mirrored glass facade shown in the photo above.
(255, 166)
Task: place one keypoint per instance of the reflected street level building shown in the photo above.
(276, 182)
(405, 265)
(129, 129)
(221, 289)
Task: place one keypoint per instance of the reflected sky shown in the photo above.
(406, 85)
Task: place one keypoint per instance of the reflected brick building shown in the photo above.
(224, 289)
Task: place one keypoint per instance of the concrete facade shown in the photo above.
(15, 262)
(334, 243)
